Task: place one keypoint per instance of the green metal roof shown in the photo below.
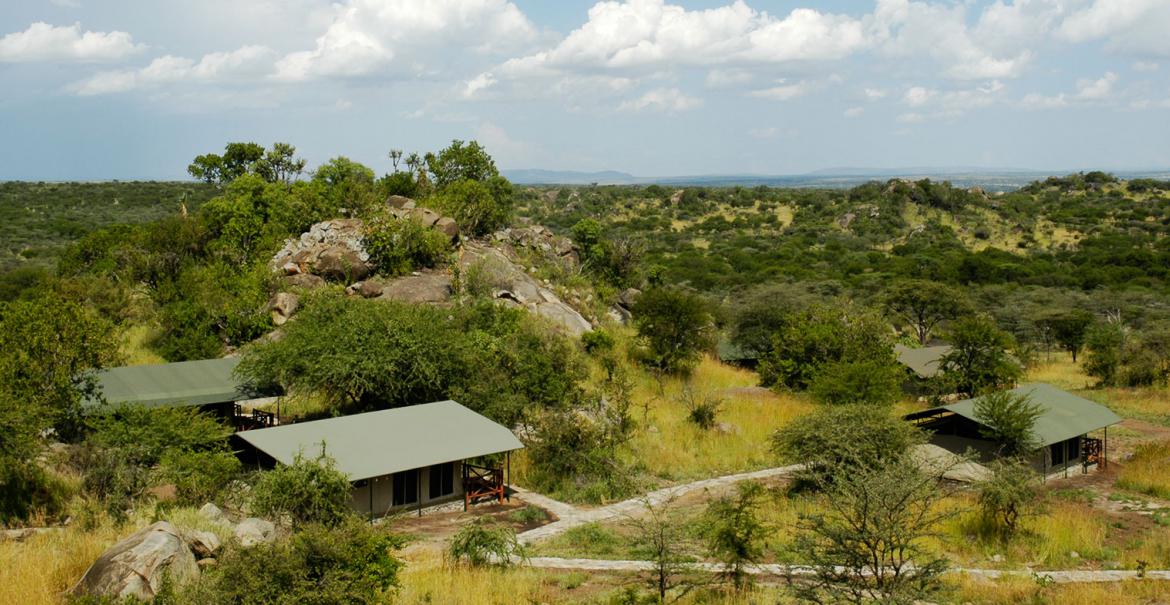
(1064, 415)
(173, 384)
(925, 361)
(380, 443)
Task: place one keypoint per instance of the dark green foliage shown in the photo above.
(460, 162)
(676, 327)
(979, 360)
(1008, 419)
(614, 260)
(1105, 342)
(735, 533)
(478, 207)
(39, 220)
(870, 382)
(923, 304)
(308, 491)
(820, 336)
(1008, 495)
(573, 453)
(350, 563)
(237, 159)
(871, 544)
(837, 441)
(130, 448)
(399, 246)
(367, 354)
(483, 542)
(1069, 328)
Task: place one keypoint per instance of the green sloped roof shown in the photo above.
(729, 351)
(925, 361)
(380, 443)
(170, 384)
(1064, 415)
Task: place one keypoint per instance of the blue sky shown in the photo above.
(129, 89)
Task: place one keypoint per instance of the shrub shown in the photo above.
(1007, 496)
(347, 563)
(308, 491)
(482, 542)
(198, 476)
(676, 327)
(870, 382)
(1008, 419)
(399, 246)
(735, 534)
(840, 440)
(574, 454)
(702, 410)
(142, 435)
(821, 335)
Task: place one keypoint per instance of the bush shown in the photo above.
(1008, 419)
(735, 533)
(348, 563)
(308, 491)
(482, 542)
(676, 327)
(1008, 495)
(198, 476)
(142, 435)
(869, 382)
(819, 336)
(399, 246)
(702, 410)
(574, 454)
(841, 440)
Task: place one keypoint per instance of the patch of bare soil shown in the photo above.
(432, 530)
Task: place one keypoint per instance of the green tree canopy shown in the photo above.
(923, 304)
(676, 327)
(979, 360)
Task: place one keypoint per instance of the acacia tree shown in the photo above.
(924, 304)
(660, 539)
(1009, 418)
(735, 533)
(871, 544)
(979, 360)
(1008, 495)
(1069, 329)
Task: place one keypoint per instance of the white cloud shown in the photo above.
(1096, 90)
(1137, 26)
(477, 84)
(728, 78)
(243, 64)
(651, 34)
(783, 92)
(1145, 66)
(44, 42)
(371, 36)
(902, 29)
(1039, 101)
(854, 112)
(874, 94)
(661, 99)
(930, 103)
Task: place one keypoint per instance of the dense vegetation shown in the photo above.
(818, 286)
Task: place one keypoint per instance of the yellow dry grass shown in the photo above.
(669, 446)
(1016, 590)
(133, 345)
(37, 570)
(1148, 472)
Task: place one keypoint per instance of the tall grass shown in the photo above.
(671, 447)
(1148, 471)
(38, 570)
(1017, 590)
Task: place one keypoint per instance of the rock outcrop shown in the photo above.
(512, 285)
(135, 566)
(252, 531)
(331, 249)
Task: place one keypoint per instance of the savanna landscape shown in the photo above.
(711, 413)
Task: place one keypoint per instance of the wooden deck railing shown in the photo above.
(482, 482)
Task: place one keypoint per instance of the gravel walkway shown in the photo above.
(1059, 576)
(569, 516)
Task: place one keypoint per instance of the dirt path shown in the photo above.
(1059, 576)
(569, 516)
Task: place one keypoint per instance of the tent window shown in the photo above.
(405, 487)
(442, 480)
(1057, 452)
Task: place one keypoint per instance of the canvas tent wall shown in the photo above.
(1061, 430)
(397, 458)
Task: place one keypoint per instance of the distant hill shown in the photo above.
(990, 179)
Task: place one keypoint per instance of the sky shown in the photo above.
(132, 89)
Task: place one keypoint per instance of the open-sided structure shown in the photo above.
(1061, 432)
(401, 458)
(209, 384)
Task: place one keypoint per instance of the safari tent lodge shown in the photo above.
(1062, 430)
(402, 458)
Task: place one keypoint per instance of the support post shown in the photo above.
(507, 474)
(1105, 450)
(370, 491)
(418, 490)
(463, 478)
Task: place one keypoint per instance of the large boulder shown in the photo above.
(252, 531)
(331, 249)
(341, 263)
(282, 306)
(422, 288)
(135, 566)
(203, 544)
(512, 285)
